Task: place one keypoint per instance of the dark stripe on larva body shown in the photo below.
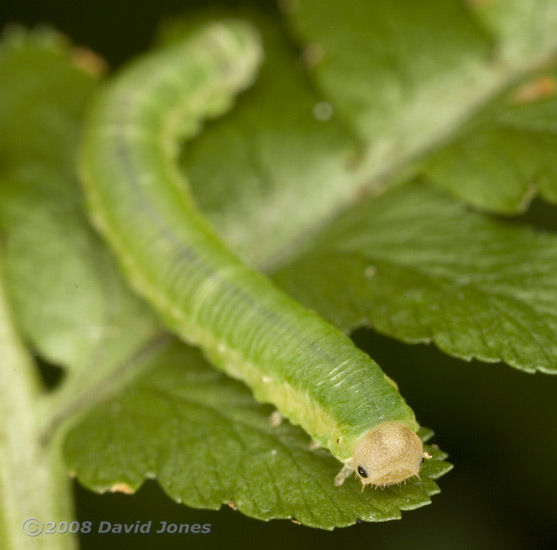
(287, 354)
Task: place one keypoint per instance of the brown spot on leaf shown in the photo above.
(89, 62)
(312, 55)
(534, 90)
(121, 488)
(289, 6)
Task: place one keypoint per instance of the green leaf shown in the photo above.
(208, 443)
(70, 300)
(402, 74)
(407, 77)
(419, 266)
(49, 84)
(502, 159)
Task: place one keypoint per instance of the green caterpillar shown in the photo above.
(140, 202)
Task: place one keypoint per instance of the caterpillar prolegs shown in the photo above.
(141, 203)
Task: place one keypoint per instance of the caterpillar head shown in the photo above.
(388, 454)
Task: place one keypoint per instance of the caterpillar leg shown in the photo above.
(344, 473)
(275, 419)
(314, 445)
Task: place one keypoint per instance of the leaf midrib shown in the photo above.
(378, 180)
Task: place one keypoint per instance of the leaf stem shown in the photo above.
(82, 390)
(33, 480)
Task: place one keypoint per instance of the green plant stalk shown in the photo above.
(33, 480)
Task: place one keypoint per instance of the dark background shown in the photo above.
(499, 425)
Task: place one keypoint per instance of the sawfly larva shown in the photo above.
(141, 203)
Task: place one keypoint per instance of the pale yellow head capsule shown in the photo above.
(388, 454)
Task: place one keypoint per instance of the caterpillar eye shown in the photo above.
(362, 471)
